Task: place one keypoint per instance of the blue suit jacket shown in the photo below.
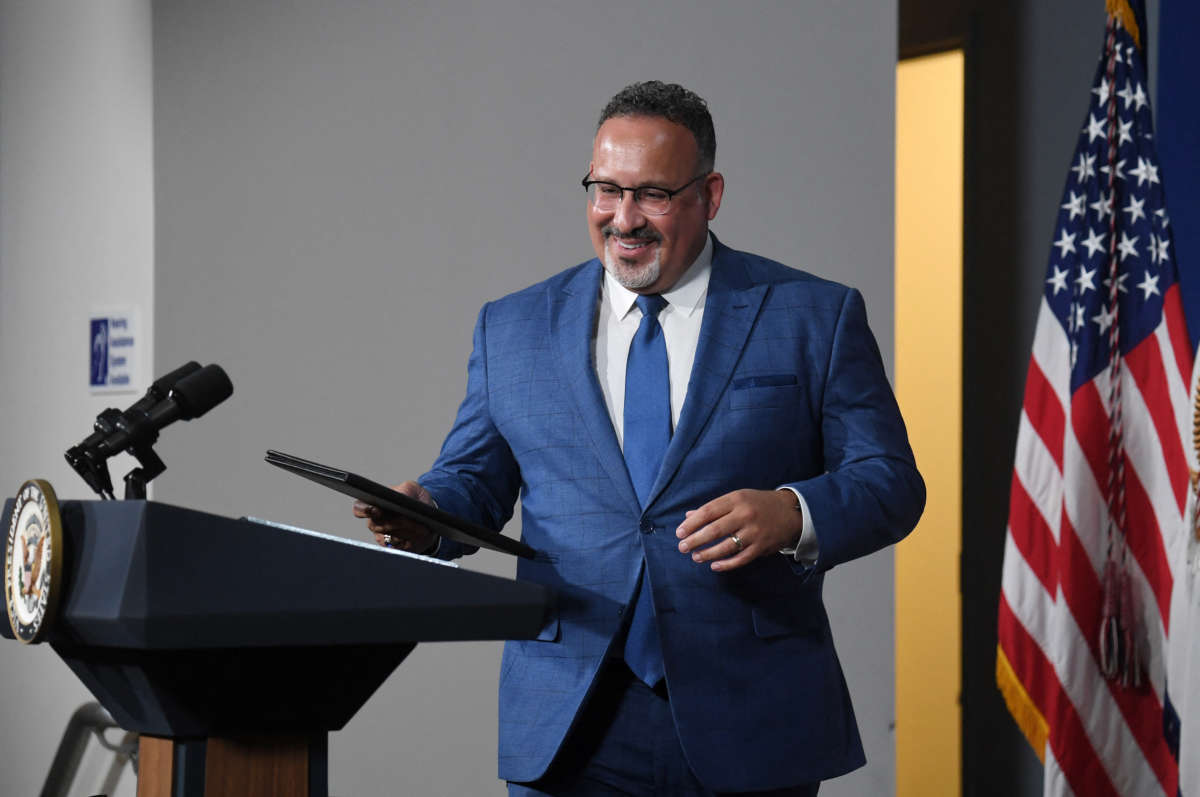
(787, 387)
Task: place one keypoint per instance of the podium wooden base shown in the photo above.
(272, 766)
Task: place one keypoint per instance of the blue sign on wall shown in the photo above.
(113, 352)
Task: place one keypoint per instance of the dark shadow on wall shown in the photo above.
(998, 314)
(1028, 73)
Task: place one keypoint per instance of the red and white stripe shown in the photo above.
(1102, 739)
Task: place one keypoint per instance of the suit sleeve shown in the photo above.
(871, 494)
(475, 476)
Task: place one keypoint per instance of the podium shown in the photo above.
(234, 647)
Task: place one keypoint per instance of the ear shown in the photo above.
(714, 189)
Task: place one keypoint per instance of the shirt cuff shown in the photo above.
(808, 547)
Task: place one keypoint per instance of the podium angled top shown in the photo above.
(152, 576)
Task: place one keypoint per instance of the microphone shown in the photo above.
(185, 393)
(192, 396)
(163, 385)
(106, 422)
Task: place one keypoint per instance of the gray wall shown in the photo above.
(76, 233)
(340, 187)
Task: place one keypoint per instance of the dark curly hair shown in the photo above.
(673, 103)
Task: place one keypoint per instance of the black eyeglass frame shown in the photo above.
(587, 185)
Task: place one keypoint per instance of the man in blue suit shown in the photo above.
(696, 435)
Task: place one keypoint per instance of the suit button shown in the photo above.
(620, 611)
(647, 527)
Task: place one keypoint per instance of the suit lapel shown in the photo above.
(730, 309)
(572, 325)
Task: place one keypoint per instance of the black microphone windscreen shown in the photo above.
(199, 392)
(162, 386)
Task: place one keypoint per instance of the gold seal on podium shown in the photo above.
(33, 556)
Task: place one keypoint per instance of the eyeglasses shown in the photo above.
(651, 200)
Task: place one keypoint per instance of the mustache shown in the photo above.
(642, 234)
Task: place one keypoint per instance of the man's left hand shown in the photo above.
(762, 520)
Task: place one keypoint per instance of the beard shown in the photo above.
(632, 275)
(629, 273)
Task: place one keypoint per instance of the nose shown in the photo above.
(628, 216)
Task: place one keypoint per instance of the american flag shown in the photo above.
(1100, 479)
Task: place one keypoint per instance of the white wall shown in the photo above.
(76, 233)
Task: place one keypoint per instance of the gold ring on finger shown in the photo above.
(737, 543)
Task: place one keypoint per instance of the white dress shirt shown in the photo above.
(618, 321)
(616, 324)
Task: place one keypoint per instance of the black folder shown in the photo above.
(376, 494)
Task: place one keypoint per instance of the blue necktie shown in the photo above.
(647, 433)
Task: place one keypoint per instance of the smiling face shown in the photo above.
(648, 254)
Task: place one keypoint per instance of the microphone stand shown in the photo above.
(143, 436)
(137, 479)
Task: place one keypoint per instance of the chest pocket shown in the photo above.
(769, 390)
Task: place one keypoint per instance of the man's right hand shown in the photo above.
(396, 531)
